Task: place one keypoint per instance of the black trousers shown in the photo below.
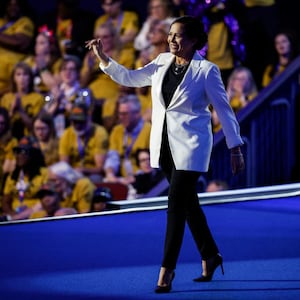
(183, 206)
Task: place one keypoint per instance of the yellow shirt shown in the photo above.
(219, 50)
(251, 3)
(116, 142)
(267, 78)
(70, 146)
(81, 196)
(39, 85)
(103, 87)
(32, 103)
(33, 187)
(127, 22)
(9, 57)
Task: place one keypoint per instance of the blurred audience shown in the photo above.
(125, 22)
(84, 144)
(158, 10)
(24, 181)
(44, 132)
(49, 200)
(45, 60)
(241, 89)
(100, 198)
(7, 144)
(146, 177)
(22, 102)
(126, 138)
(77, 190)
(16, 35)
(286, 49)
(71, 24)
(222, 29)
(105, 91)
(157, 35)
(260, 23)
(60, 100)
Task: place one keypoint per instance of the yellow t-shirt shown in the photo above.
(81, 197)
(39, 85)
(251, 3)
(97, 143)
(103, 87)
(267, 78)
(9, 57)
(33, 187)
(219, 50)
(128, 21)
(116, 142)
(32, 103)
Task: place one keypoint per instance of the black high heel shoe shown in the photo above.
(162, 289)
(211, 268)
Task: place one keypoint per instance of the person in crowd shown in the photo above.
(71, 24)
(216, 185)
(24, 181)
(100, 198)
(184, 84)
(22, 102)
(241, 89)
(146, 177)
(259, 24)
(223, 33)
(158, 10)
(74, 190)
(77, 190)
(130, 134)
(105, 91)
(7, 144)
(45, 60)
(84, 144)
(16, 35)
(64, 94)
(44, 132)
(286, 51)
(50, 201)
(125, 22)
(158, 34)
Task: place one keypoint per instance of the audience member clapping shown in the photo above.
(16, 35)
(22, 102)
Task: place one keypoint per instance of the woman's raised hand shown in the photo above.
(97, 47)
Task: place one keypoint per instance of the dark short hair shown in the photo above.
(194, 29)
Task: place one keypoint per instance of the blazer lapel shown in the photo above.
(191, 73)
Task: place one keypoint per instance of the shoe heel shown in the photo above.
(222, 268)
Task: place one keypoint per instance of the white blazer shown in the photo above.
(188, 117)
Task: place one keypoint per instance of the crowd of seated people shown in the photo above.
(66, 127)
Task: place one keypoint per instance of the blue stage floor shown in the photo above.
(117, 256)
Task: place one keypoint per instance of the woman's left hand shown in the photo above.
(237, 161)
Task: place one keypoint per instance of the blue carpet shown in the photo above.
(118, 256)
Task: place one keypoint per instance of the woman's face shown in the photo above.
(240, 81)
(144, 161)
(22, 79)
(282, 44)
(42, 45)
(41, 130)
(68, 73)
(158, 10)
(179, 43)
